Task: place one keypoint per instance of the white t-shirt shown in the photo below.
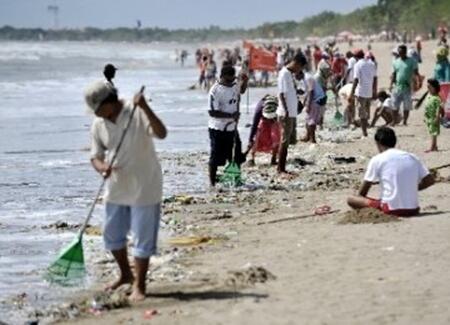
(138, 179)
(365, 71)
(286, 85)
(224, 99)
(351, 64)
(399, 174)
(345, 92)
(388, 103)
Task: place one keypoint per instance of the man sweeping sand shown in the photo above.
(134, 188)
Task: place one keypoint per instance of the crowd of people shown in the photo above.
(305, 78)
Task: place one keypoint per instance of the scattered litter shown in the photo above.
(149, 313)
(344, 160)
(249, 276)
(182, 199)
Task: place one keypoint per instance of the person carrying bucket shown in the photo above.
(134, 181)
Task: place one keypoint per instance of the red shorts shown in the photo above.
(377, 204)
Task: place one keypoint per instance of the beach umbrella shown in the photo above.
(69, 265)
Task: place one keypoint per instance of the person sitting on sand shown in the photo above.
(134, 187)
(384, 109)
(433, 112)
(265, 132)
(224, 99)
(400, 174)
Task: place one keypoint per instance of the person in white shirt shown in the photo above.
(134, 184)
(401, 176)
(224, 99)
(288, 104)
(351, 61)
(364, 87)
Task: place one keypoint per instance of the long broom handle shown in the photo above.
(89, 216)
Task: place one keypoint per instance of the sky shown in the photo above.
(170, 14)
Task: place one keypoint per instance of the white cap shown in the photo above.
(97, 92)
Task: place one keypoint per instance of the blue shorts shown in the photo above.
(142, 221)
(404, 97)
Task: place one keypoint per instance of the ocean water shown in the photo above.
(45, 175)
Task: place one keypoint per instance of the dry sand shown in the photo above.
(266, 259)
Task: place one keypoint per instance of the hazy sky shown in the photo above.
(165, 13)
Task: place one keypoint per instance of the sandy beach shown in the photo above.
(259, 255)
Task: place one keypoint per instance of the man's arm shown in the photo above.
(426, 182)
(244, 83)
(364, 189)
(283, 103)
(157, 126)
(102, 167)
(375, 87)
(393, 80)
(352, 93)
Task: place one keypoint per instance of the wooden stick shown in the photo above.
(295, 218)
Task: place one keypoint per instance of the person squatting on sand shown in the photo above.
(134, 186)
(384, 109)
(224, 100)
(400, 175)
(265, 132)
(288, 105)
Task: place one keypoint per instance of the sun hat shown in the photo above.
(97, 92)
(270, 106)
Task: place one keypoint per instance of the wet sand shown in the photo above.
(261, 256)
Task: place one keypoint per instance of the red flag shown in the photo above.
(262, 59)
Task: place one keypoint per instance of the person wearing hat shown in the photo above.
(109, 72)
(442, 67)
(134, 183)
(266, 138)
(402, 82)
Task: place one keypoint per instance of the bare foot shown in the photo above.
(119, 282)
(137, 295)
